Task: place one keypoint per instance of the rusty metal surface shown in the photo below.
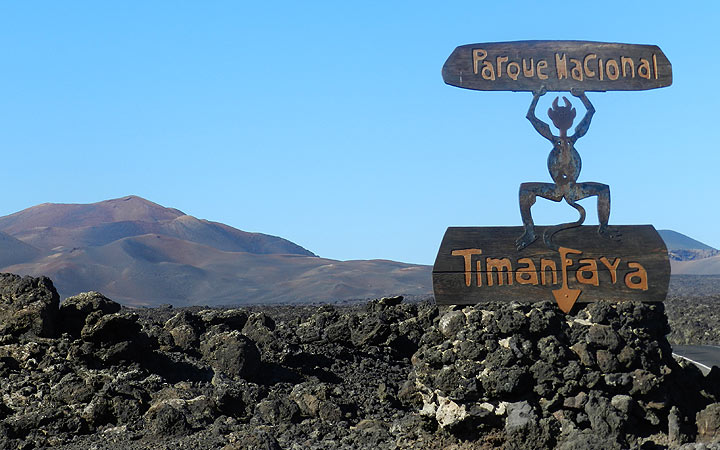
(564, 164)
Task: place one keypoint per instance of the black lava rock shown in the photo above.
(384, 375)
(28, 306)
(75, 310)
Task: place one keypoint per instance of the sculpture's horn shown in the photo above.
(567, 102)
(555, 103)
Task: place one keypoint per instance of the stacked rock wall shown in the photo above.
(603, 377)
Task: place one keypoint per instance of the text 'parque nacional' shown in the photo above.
(558, 66)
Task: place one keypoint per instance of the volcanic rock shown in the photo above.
(569, 378)
(75, 310)
(28, 305)
(185, 329)
(385, 375)
(708, 423)
(231, 354)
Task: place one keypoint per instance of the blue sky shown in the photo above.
(328, 123)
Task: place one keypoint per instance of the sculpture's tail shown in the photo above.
(550, 232)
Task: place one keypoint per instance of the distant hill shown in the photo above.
(689, 256)
(678, 241)
(66, 226)
(705, 266)
(141, 253)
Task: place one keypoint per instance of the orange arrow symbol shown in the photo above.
(566, 297)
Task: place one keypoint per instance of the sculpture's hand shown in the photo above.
(540, 92)
(577, 92)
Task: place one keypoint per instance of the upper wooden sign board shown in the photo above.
(558, 66)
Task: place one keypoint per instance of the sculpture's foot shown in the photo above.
(527, 238)
(611, 233)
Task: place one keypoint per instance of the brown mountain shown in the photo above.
(65, 226)
(141, 253)
(689, 256)
(703, 266)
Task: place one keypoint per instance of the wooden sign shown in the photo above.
(482, 264)
(558, 66)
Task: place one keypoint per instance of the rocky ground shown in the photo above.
(692, 308)
(386, 374)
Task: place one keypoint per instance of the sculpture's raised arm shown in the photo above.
(584, 124)
(540, 126)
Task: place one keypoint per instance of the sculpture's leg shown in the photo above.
(528, 194)
(602, 192)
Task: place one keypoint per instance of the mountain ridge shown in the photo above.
(689, 256)
(65, 215)
(679, 241)
(141, 253)
(50, 225)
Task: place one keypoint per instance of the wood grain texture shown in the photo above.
(609, 270)
(557, 65)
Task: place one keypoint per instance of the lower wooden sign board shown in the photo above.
(481, 264)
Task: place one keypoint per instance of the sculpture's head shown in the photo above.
(562, 116)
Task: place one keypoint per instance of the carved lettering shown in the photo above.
(640, 274)
(529, 72)
(566, 262)
(566, 67)
(612, 268)
(488, 71)
(500, 60)
(527, 274)
(644, 69)
(576, 72)
(499, 271)
(542, 65)
(586, 64)
(515, 73)
(625, 62)
(548, 264)
(467, 254)
(589, 267)
(500, 265)
(478, 56)
(654, 58)
(561, 66)
(612, 69)
(483, 264)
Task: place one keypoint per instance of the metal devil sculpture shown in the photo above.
(564, 165)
